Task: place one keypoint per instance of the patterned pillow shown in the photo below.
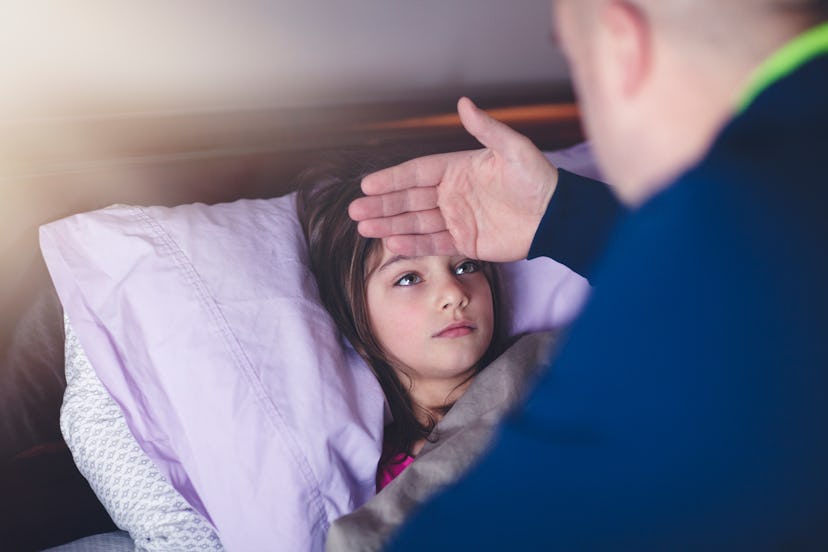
(125, 480)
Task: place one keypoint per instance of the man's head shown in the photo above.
(656, 79)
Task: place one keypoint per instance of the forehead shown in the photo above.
(384, 254)
(381, 257)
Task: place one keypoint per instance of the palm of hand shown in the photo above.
(492, 203)
(485, 204)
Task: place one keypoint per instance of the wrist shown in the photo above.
(550, 185)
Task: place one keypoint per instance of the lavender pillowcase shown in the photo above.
(204, 324)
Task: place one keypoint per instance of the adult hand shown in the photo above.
(485, 204)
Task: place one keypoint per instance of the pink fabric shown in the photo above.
(392, 469)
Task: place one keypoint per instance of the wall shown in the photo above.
(98, 56)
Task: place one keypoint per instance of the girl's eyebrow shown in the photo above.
(392, 260)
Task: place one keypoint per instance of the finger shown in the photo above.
(421, 222)
(393, 203)
(440, 243)
(489, 131)
(420, 172)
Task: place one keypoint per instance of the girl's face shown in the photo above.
(433, 316)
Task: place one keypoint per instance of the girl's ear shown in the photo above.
(627, 46)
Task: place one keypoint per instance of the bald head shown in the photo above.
(743, 28)
(748, 30)
(657, 79)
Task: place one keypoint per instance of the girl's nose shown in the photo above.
(453, 295)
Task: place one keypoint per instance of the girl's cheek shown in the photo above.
(405, 311)
(400, 304)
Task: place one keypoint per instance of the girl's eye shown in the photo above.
(408, 280)
(467, 267)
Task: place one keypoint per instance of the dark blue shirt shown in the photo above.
(688, 406)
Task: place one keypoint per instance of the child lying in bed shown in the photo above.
(425, 325)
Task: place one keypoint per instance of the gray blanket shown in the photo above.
(461, 437)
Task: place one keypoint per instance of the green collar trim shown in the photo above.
(785, 61)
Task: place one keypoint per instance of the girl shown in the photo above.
(425, 325)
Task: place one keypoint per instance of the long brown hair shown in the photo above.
(339, 258)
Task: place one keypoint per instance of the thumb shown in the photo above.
(490, 132)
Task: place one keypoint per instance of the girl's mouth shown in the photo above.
(457, 329)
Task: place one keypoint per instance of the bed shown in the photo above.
(204, 158)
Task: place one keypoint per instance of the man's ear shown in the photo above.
(628, 45)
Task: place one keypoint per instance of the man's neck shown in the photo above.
(688, 114)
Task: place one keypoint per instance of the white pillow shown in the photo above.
(127, 483)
